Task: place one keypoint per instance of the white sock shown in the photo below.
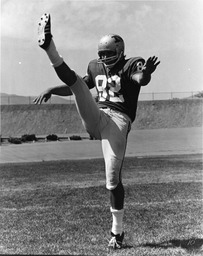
(55, 58)
(117, 225)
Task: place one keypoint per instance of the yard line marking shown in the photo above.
(166, 202)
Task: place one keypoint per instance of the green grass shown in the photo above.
(62, 207)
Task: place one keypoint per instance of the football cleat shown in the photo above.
(116, 241)
(44, 31)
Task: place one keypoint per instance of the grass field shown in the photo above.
(62, 207)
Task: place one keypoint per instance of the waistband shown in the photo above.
(118, 112)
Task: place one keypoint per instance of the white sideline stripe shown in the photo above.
(97, 205)
(165, 202)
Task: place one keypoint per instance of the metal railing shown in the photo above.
(18, 100)
(168, 95)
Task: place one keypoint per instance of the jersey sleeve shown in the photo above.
(88, 79)
(136, 65)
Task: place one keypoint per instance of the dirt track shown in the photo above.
(154, 142)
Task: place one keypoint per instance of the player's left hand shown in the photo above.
(151, 64)
(44, 96)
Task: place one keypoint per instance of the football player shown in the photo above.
(118, 82)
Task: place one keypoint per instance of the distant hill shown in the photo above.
(13, 99)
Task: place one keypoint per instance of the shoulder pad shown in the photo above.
(131, 64)
(135, 59)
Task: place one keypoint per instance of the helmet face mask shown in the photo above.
(110, 50)
(108, 57)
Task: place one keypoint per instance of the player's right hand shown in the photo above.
(44, 96)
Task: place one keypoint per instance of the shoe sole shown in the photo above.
(44, 28)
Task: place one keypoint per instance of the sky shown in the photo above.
(170, 30)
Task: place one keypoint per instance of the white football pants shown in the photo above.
(107, 125)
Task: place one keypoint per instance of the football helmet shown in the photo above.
(111, 49)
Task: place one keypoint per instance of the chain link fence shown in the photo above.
(169, 95)
(18, 100)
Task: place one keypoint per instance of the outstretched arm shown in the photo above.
(62, 90)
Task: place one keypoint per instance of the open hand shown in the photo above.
(44, 96)
(151, 64)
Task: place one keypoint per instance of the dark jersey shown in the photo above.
(115, 87)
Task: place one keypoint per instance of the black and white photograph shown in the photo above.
(101, 135)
